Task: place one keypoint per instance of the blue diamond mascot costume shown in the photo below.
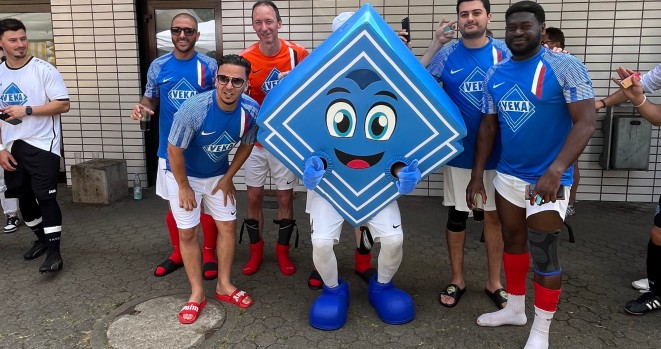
(361, 122)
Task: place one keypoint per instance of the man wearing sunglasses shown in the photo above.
(204, 131)
(171, 80)
(270, 57)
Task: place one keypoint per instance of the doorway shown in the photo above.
(155, 40)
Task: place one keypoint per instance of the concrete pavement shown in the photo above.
(107, 297)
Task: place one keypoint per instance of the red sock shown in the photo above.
(210, 232)
(516, 268)
(546, 298)
(174, 238)
(363, 261)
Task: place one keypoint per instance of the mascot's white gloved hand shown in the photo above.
(314, 171)
(409, 177)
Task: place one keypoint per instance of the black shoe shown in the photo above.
(37, 249)
(53, 262)
(641, 305)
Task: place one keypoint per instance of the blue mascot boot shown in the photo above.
(394, 306)
(329, 310)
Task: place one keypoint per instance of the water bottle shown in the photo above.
(137, 187)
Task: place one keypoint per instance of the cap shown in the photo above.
(340, 19)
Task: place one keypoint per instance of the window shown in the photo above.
(40, 33)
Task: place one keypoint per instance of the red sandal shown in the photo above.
(236, 298)
(191, 308)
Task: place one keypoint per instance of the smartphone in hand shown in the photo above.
(4, 117)
(406, 25)
(560, 195)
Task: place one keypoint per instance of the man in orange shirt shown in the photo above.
(269, 58)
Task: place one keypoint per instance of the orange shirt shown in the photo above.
(265, 69)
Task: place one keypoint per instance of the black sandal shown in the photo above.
(209, 266)
(314, 281)
(453, 291)
(169, 266)
(499, 297)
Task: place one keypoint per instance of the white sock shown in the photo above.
(390, 257)
(539, 333)
(514, 313)
(325, 261)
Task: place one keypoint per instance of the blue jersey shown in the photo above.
(530, 98)
(208, 133)
(174, 81)
(462, 71)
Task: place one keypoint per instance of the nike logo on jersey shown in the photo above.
(288, 182)
(255, 71)
(207, 133)
(166, 80)
(455, 71)
(497, 85)
(395, 226)
(233, 213)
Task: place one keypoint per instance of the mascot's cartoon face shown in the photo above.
(362, 102)
(360, 128)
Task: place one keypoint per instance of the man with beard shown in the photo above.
(34, 94)
(204, 131)
(177, 76)
(541, 105)
(461, 67)
(270, 58)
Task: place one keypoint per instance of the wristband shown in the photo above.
(641, 103)
(603, 101)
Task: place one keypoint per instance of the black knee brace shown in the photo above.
(366, 240)
(457, 220)
(286, 229)
(252, 225)
(544, 252)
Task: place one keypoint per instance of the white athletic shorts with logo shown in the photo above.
(513, 190)
(326, 223)
(213, 204)
(257, 167)
(161, 182)
(455, 182)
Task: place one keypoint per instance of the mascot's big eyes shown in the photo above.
(341, 119)
(381, 121)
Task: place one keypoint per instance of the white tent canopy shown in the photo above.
(206, 42)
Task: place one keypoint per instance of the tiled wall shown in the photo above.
(103, 72)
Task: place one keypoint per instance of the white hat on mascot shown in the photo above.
(340, 19)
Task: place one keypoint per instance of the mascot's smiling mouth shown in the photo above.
(358, 162)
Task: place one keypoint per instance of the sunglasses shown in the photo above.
(187, 31)
(224, 80)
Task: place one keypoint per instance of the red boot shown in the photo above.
(282, 253)
(256, 256)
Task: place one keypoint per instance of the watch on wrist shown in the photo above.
(28, 110)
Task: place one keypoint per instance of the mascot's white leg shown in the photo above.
(393, 305)
(329, 310)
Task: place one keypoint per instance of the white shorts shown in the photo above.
(161, 182)
(257, 167)
(326, 223)
(514, 191)
(213, 204)
(455, 182)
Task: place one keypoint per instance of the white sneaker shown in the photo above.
(642, 285)
(12, 224)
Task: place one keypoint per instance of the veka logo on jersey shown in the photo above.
(13, 96)
(472, 87)
(219, 149)
(181, 92)
(271, 81)
(516, 108)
